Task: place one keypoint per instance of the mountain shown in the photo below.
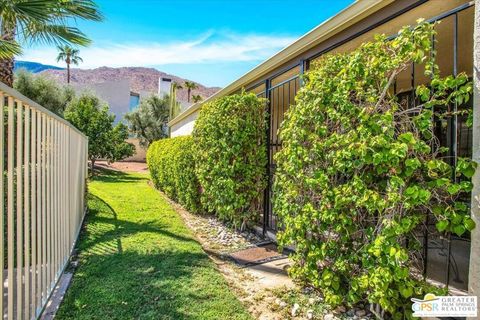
(141, 79)
(34, 67)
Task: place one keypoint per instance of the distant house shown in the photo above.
(134, 100)
(122, 100)
(117, 94)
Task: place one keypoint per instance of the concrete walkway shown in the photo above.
(272, 274)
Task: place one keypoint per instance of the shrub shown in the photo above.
(105, 140)
(230, 156)
(359, 173)
(148, 122)
(44, 90)
(172, 169)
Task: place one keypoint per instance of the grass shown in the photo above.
(139, 261)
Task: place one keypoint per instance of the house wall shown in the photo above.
(115, 93)
(184, 127)
(140, 152)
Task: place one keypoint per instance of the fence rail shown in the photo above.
(42, 189)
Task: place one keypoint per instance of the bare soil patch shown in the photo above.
(139, 167)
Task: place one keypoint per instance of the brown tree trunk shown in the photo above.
(68, 73)
(6, 65)
(92, 161)
(6, 71)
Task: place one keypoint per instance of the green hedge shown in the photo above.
(225, 159)
(172, 170)
(230, 157)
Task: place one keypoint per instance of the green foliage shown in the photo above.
(149, 121)
(44, 90)
(175, 106)
(69, 55)
(190, 85)
(44, 21)
(197, 98)
(9, 49)
(230, 157)
(172, 169)
(92, 117)
(358, 173)
(138, 260)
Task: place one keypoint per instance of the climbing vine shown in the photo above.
(359, 172)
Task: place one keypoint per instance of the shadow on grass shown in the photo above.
(105, 227)
(141, 263)
(166, 277)
(168, 285)
(107, 175)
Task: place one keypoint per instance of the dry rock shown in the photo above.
(340, 309)
(295, 309)
(309, 314)
(329, 316)
(360, 313)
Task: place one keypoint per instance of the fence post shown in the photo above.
(38, 163)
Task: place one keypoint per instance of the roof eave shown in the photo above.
(330, 27)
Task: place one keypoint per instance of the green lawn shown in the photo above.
(139, 261)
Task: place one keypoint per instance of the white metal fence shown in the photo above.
(42, 188)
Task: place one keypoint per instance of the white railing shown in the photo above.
(42, 188)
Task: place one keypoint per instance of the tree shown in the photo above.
(197, 98)
(174, 105)
(190, 85)
(44, 90)
(105, 141)
(149, 121)
(40, 21)
(70, 56)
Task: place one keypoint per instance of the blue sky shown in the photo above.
(209, 41)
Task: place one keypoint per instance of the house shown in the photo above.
(452, 261)
(117, 94)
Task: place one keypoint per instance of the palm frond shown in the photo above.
(82, 9)
(9, 49)
(56, 34)
(76, 60)
(14, 13)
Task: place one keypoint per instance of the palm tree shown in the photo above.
(70, 56)
(176, 86)
(190, 85)
(174, 105)
(197, 98)
(40, 21)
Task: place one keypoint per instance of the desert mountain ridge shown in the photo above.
(141, 79)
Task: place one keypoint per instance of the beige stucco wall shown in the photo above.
(140, 152)
(115, 93)
(185, 126)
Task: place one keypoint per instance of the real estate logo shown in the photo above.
(445, 306)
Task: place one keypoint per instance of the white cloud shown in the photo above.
(208, 48)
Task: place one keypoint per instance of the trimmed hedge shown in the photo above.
(172, 169)
(225, 159)
(230, 157)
